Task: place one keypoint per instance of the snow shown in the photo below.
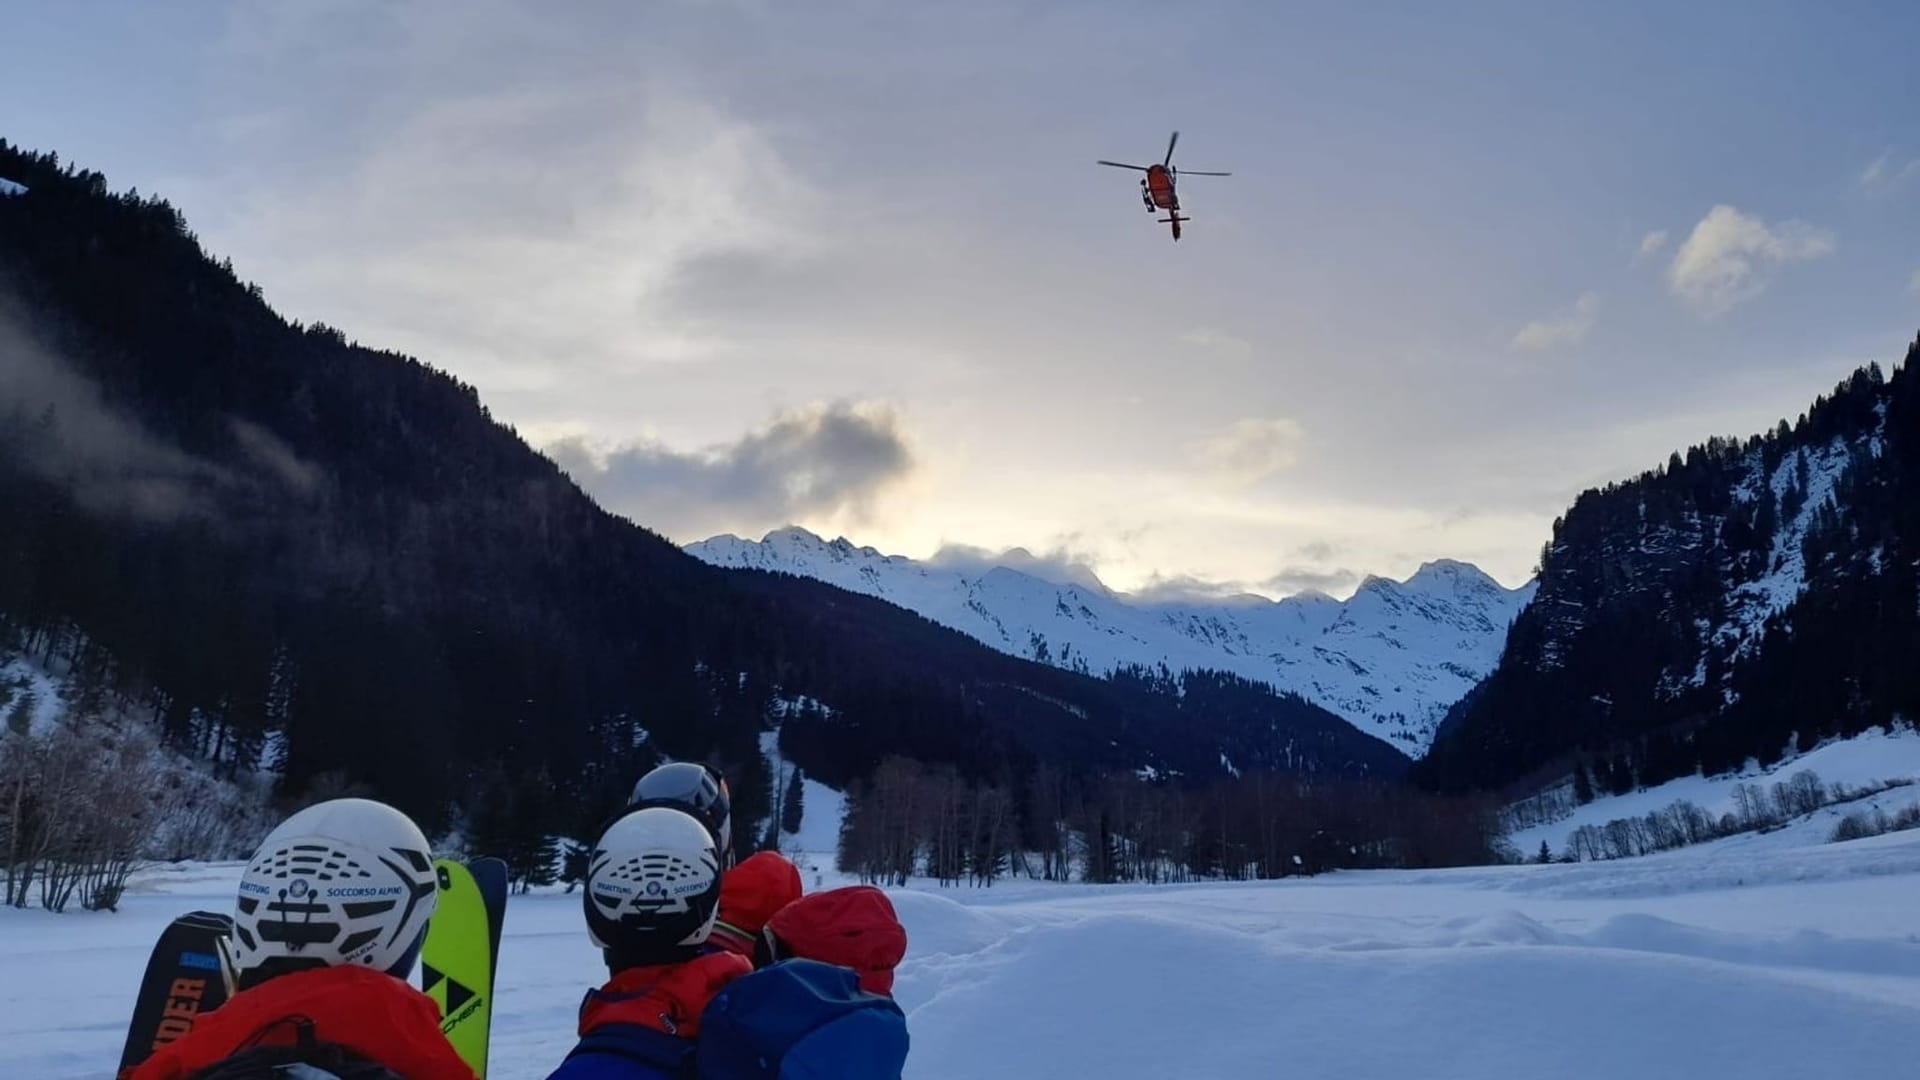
(21, 676)
(1751, 603)
(11, 187)
(1782, 962)
(815, 847)
(1391, 659)
(1860, 762)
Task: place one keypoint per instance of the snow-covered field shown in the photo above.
(1725, 960)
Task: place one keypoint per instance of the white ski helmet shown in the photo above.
(653, 886)
(347, 881)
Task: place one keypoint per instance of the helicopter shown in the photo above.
(1157, 187)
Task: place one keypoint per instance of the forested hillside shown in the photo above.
(1751, 598)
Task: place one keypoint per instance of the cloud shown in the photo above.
(1060, 565)
(1188, 589)
(1252, 450)
(1565, 328)
(1295, 579)
(1886, 176)
(827, 459)
(266, 450)
(1652, 244)
(1729, 258)
(1317, 551)
(73, 437)
(1206, 337)
(517, 235)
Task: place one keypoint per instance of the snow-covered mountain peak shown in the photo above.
(1452, 574)
(1390, 660)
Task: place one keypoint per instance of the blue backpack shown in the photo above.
(801, 1020)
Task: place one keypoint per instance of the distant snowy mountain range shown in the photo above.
(1390, 660)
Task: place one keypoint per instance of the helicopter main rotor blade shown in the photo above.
(1123, 165)
(1170, 142)
(1196, 172)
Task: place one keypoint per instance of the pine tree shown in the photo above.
(20, 717)
(539, 862)
(1582, 785)
(1546, 854)
(573, 862)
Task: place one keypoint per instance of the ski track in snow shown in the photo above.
(1751, 961)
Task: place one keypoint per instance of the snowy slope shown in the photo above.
(1390, 660)
(1862, 762)
(25, 685)
(1786, 963)
(11, 187)
(816, 845)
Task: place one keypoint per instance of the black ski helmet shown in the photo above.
(653, 888)
(695, 789)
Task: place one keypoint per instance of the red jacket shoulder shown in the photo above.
(371, 1013)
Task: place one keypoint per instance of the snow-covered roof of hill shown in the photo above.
(11, 187)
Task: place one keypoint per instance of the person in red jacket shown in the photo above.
(750, 894)
(853, 927)
(331, 914)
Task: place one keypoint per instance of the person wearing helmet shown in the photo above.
(751, 891)
(652, 893)
(695, 789)
(331, 913)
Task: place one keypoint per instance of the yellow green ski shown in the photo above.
(463, 946)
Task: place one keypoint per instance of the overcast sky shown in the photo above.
(852, 266)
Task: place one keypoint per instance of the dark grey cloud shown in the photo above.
(275, 458)
(1316, 551)
(819, 461)
(1061, 565)
(72, 436)
(1188, 589)
(1294, 579)
(70, 433)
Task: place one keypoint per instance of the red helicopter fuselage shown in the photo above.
(1160, 188)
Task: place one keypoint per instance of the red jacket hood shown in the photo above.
(369, 1012)
(749, 895)
(853, 927)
